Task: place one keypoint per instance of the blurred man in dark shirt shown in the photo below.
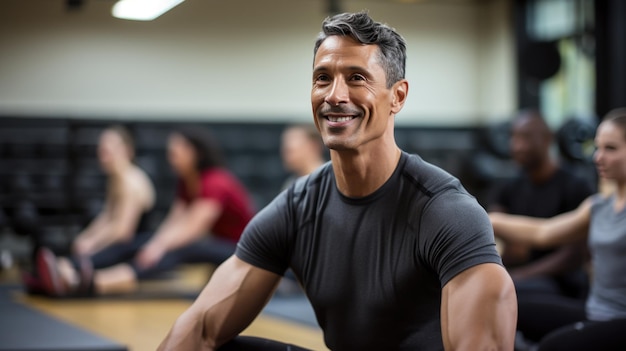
(542, 189)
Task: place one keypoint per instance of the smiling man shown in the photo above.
(392, 252)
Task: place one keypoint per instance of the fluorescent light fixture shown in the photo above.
(142, 10)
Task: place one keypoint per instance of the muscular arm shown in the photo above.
(565, 228)
(479, 310)
(231, 300)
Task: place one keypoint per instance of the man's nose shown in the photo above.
(338, 93)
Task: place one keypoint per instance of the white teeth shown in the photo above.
(339, 119)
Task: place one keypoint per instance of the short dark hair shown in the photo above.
(618, 117)
(362, 28)
(208, 152)
(533, 113)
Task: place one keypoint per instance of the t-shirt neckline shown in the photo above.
(378, 192)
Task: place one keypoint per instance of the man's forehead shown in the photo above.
(344, 46)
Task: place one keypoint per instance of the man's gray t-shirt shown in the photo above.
(374, 267)
(607, 243)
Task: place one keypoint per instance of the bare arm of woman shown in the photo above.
(122, 222)
(174, 215)
(185, 226)
(231, 300)
(84, 242)
(512, 253)
(119, 220)
(565, 228)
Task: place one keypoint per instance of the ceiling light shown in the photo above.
(142, 10)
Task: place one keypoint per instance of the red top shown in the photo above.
(237, 210)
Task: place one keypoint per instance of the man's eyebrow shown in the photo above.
(349, 68)
(319, 69)
(357, 68)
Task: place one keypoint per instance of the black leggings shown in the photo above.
(559, 323)
(250, 343)
(208, 249)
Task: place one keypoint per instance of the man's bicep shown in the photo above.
(479, 309)
(234, 296)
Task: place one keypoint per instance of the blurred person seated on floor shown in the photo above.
(301, 150)
(598, 323)
(542, 189)
(204, 223)
(129, 198)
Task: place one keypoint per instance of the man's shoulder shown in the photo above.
(428, 177)
(313, 181)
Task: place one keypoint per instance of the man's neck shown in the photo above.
(544, 172)
(361, 172)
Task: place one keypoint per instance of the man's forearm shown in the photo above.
(231, 300)
(186, 334)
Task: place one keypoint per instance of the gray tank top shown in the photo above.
(607, 242)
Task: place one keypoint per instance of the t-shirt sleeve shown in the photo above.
(215, 186)
(456, 234)
(265, 241)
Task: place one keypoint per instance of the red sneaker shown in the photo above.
(49, 274)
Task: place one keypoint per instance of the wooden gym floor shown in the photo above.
(141, 324)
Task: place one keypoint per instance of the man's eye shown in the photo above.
(322, 78)
(357, 77)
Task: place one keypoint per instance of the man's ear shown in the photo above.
(400, 90)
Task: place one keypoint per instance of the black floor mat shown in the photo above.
(25, 329)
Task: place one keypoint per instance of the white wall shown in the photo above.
(496, 62)
(241, 60)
